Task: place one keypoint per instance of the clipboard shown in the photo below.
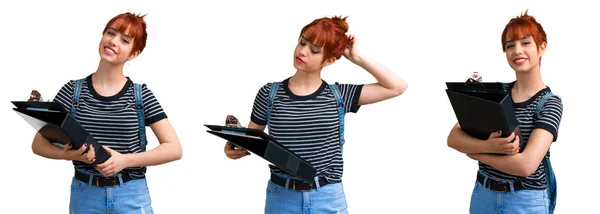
(53, 122)
(265, 146)
(483, 107)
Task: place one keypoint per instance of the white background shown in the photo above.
(206, 60)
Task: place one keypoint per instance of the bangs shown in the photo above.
(518, 31)
(122, 25)
(317, 35)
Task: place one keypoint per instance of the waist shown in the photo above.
(96, 179)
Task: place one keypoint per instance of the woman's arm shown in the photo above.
(525, 163)
(168, 150)
(462, 142)
(388, 84)
(42, 147)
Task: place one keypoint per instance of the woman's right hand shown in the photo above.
(78, 155)
(234, 152)
(508, 145)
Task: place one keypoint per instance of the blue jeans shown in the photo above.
(326, 199)
(130, 197)
(486, 201)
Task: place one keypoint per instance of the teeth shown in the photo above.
(520, 60)
(111, 50)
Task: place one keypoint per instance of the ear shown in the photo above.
(542, 49)
(328, 61)
(133, 55)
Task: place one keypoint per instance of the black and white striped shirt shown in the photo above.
(548, 119)
(112, 120)
(308, 125)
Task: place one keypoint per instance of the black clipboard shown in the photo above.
(265, 146)
(53, 122)
(483, 107)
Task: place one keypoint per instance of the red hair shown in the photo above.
(523, 26)
(329, 33)
(135, 24)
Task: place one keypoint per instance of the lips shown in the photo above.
(299, 60)
(520, 60)
(109, 50)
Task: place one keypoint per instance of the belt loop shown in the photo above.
(512, 187)
(485, 178)
(287, 182)
(120, 176)
(91, 179)
(317, 183)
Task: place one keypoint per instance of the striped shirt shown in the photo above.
(548, 119)
(308, 125)
(112, 120)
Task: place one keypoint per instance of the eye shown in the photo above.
(315, 52)
(508, 46)
(110, 32)
(303, 43)
(526, 43)
(126, 41)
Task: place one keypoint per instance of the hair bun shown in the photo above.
(341, 23)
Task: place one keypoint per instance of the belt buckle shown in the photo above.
(112, 179)
(497, 183)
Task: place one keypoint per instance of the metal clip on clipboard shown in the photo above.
(475, 77)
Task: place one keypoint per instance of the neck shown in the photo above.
(304, 82)
(109, 74)
(528, 83)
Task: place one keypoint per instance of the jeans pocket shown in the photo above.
(77, 186)
(477, 189)
(273, 189)
(136, 186)
(533, 197)
(334, 190)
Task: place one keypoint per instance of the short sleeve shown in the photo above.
(259, 109)
(350, 95)
(153, 111)
(65, 96)
(550, 116)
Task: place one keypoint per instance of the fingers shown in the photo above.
(495, 134)
(90, 156)
(237, 156)
(67, 147)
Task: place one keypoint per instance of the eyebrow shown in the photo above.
(128, 37)
(311, 43)
(525, 37)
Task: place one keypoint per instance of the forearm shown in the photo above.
(384, 76)
(462, 142)
(517, 164)
(43, 147)
(163, 153)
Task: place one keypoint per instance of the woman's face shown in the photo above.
(116, 47)
(308, 56)
(523, 54)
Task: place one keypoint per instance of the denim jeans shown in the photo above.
(325, 199)
(486, 201)
(130, 197)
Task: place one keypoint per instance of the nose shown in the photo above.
(113, 41)
(303, 50)
(518, 49)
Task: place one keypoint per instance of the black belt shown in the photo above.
(298, 185)
(498, 186)
(102, 181)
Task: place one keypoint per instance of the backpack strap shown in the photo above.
(550, 177)
(76, 93)
(341, 111)
(270, 100)
(137, 93)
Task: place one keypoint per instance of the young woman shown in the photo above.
(302, 113)
(518, 182)
(106, 107)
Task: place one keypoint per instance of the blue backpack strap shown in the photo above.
(76, 93)
(341, 111)
(550, 177)
(270, 100)
(137, 92)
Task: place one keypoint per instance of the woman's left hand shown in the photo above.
(352, 53)
(113, 165)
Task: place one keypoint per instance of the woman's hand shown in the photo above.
(78, 155)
